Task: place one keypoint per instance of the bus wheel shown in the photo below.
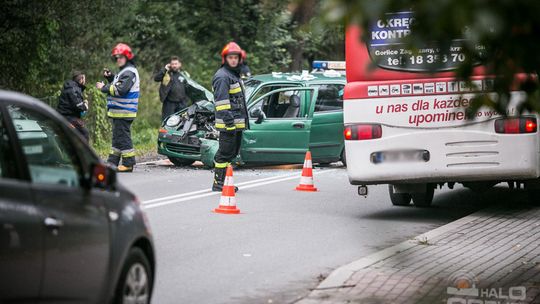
(424, 199)
(399, 199)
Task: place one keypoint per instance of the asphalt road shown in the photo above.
(284, 241)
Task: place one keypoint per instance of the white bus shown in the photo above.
(407, 128)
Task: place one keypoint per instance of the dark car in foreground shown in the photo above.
(69, 233)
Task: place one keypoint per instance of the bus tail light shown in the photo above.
(516, 125)
(362, 132)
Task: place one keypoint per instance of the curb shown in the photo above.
(341, 275)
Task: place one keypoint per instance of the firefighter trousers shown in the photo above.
(229, 146)
(122, 146)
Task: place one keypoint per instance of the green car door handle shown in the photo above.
(298, 125)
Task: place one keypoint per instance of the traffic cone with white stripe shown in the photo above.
(227, 202)
(306, 180)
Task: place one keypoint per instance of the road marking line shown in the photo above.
(201, 194)
(208, 190)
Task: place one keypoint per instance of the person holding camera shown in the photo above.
(172, 91)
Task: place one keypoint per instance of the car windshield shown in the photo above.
(250, 86)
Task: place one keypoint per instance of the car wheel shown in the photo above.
(135, 284)
(180, 162)
(399, 199)
(344, 158)
(424, 199)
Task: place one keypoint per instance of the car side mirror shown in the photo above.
(259, 114)
(103, 176)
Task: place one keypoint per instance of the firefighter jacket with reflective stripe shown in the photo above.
(229, 99)
(123, 93)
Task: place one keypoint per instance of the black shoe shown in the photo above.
(220, 188)
(219, 179)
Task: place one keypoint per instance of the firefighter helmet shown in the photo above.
(229, 49)
(122, 49)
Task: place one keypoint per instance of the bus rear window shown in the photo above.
(387, 48)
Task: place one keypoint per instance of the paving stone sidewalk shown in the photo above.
(490, 257)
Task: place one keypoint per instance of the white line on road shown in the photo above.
(166, 198)
(205, 193)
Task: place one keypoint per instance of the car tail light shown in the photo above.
(162, 130)
(362, 132)
(516, 125)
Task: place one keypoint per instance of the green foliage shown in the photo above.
(42, 42)
(96, 120)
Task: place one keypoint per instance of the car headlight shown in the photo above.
(173, 121)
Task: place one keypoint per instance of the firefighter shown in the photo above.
(122, 102)
(231, 111)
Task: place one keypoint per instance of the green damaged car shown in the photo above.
(290, 113)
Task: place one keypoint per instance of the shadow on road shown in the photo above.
(454, 204)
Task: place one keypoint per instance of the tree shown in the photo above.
(43, 41)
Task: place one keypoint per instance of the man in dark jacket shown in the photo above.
(172, 91)
(231, 111)
(71, 103)
(122, 105)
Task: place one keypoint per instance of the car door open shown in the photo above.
(280, 124)
(326, 141)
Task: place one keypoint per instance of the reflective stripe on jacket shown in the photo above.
(229, 100)
(124, 106)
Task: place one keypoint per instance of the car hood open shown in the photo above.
(196, 92)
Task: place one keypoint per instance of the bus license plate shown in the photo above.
(400, 156)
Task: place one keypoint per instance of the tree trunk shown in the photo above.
(302, 14)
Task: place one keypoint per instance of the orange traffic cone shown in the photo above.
(227, 202)
(306, 181)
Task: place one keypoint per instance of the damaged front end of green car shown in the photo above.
(181, 133)
(290, 113)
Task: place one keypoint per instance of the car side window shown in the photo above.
(261, 92)
(269, 88)
(8, 168)
(50, 156)
(330, 97)
(284, 104)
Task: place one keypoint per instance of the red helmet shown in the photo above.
(231, 48)
(244, 55)
(122, 49)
